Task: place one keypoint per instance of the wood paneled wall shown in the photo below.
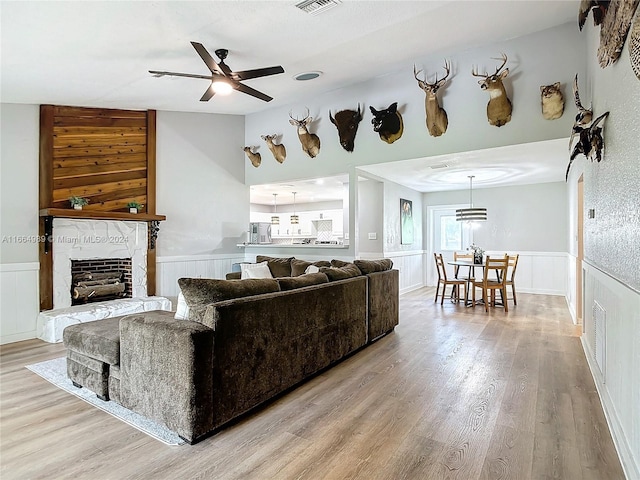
(105, 155)
(99, 154)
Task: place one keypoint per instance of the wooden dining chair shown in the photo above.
(444, 281)
(464, 257)
(511, 275)
(494, 278)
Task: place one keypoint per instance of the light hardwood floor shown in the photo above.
(453, 393)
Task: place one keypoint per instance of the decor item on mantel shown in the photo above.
(134, 207)
(78, 202)
(472, 213)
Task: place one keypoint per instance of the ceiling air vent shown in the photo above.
(440, 165)
(314, 7)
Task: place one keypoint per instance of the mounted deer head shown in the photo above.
(388, 123)
(437, 120)
(254, 158)
(278, 151)
(499, 107)
(309, 141)
(346, 121)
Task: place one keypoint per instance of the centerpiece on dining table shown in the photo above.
(478, 253)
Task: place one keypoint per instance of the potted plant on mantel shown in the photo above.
(78, 202)
(134, 207)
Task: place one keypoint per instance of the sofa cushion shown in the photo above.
(340, 273)
(280, 267)
(305, 280)
(233, 276)
(339, 263)
(299, 267)
(255, 270)
(371, 266)
(99, 339)
(203, 291)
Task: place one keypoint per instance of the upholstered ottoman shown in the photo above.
(93, 349)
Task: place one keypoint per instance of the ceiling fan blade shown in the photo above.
(250, 91)
(156, 73)
(258, 72)
(208, 94)
(208, 59)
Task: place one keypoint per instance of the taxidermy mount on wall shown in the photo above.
(437, 120)
(346, 121)
(388, 123)
(310, 141)
(552, 101)
(254, 158)
(279, 151)
(584, 115)
(590, 142)
(614, 19)
(499, 107)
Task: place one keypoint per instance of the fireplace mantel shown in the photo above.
(99, 215)
(50, 213)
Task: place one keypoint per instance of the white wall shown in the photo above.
(522, 218)
(370, 218)
(612, 240)
(200, 183)
(19, 297)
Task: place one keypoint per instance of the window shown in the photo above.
(450, 233)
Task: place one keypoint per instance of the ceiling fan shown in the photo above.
(223, 80)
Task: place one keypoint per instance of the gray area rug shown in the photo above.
(55, 371)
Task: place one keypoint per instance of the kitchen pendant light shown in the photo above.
(275, 219)
(472, 213)
(294, 218)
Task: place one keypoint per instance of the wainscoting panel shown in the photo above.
(541, 272)
(571, 287)
(20, 301)
(411, 267)
(170, 269)
(611, 338)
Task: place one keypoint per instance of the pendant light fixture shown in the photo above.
(472, 213)
(294, 218)
(275, 219)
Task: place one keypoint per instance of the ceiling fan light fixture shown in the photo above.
(221, 87)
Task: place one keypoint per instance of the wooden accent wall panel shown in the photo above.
(104, 155)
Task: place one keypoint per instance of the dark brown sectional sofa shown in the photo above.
(245, 342)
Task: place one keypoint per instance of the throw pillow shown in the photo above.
(312, 269)
(340, 273)
(203, 291)
(299, 267)
(280, 267)
(371, 266)
(290, 283)
(255, 270)
(182, 309)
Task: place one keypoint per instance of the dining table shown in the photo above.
(471, 266)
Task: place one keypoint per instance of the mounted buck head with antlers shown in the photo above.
(346, 121)
(279, 151)
(499, 107)
(310, 141)
(437, 120)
